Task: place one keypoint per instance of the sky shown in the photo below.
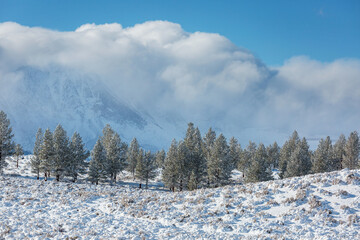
(272, 30)
(256, 70)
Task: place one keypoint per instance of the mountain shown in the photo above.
(47, 97)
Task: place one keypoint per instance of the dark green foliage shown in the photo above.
(6, 143)
(258, 170)
(97, 167)
(286, 152)
(351, 154)
(234, 152)
(323, 155)
(47, 153)
(299, 163)
(35, 160)
(78, 154)
(338, 153)
(61, 152)
(132, 156)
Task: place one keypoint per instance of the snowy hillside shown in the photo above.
(46, 97)
(320, 206)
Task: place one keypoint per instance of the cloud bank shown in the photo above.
(201, 77)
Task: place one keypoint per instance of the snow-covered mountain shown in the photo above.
(319, 206)
(47, 97)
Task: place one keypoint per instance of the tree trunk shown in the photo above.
(58, 177)
(45, 176)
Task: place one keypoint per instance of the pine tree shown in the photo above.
(234, 152)
(47, 153)
(338, 153)
(182, 162)
(170, 173)
(35, 160)
(61, 152)
(246, 156)
(160, 158)
(219, 166)
(273, 152)
(196, 159)
(115, 152)
(258, 170)
(286, 152)
(208, 143)
(78, 154)
(193, 184)
(18, 152)
(132, 156)
(323, 156)
(299, 163)
(6, 143)
(97, 166)
(352, 148)
(149, 167)
(139, 169)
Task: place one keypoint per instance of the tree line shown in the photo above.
(191, 163)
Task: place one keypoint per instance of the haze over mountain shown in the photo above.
(149, 80)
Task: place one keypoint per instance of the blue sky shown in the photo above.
(273, 30)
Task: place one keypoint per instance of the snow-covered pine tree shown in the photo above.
(160, 158)
(299, 163)
(352, 148)
(97, 166)
(273, 152)
(170, 173)
(208, 143)
(246, 156)
(78, 154)
(182, 163)
(322, 158)
(6, 143)
(61, 152)
(35, 160)
(149, 167)
(338, 153)
(219, 166)
(18, 152)
(234, 152)
(47, 153)
(115, 152)
(258, 170)
(286, 152)
(193, 184)
(139, 169)
(195, 159)
(132, 156)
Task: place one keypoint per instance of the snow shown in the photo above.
(319, 206)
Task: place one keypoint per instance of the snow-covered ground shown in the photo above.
(319, 206)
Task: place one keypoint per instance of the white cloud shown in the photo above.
(199, 77)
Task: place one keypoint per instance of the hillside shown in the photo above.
(319, 206)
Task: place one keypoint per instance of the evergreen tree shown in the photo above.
(115, 152)
(18, 152)
(149, 167)
(258, 169)
(78, 154)
(35, 160)
(245, 157)
(338, 153)
(208, 143)
(234, 152)
(193, 184)
(182, 163)
(219, 166)
(61, 152)
(299, 163)
(323, 156)
(132, 156)
(139, 169)
(195, 160)
(273, 152)
(160, 158)
(97, 166)
(286, 152)
(6, 143)
(170, 174)
(47, 153)
(352, 148)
